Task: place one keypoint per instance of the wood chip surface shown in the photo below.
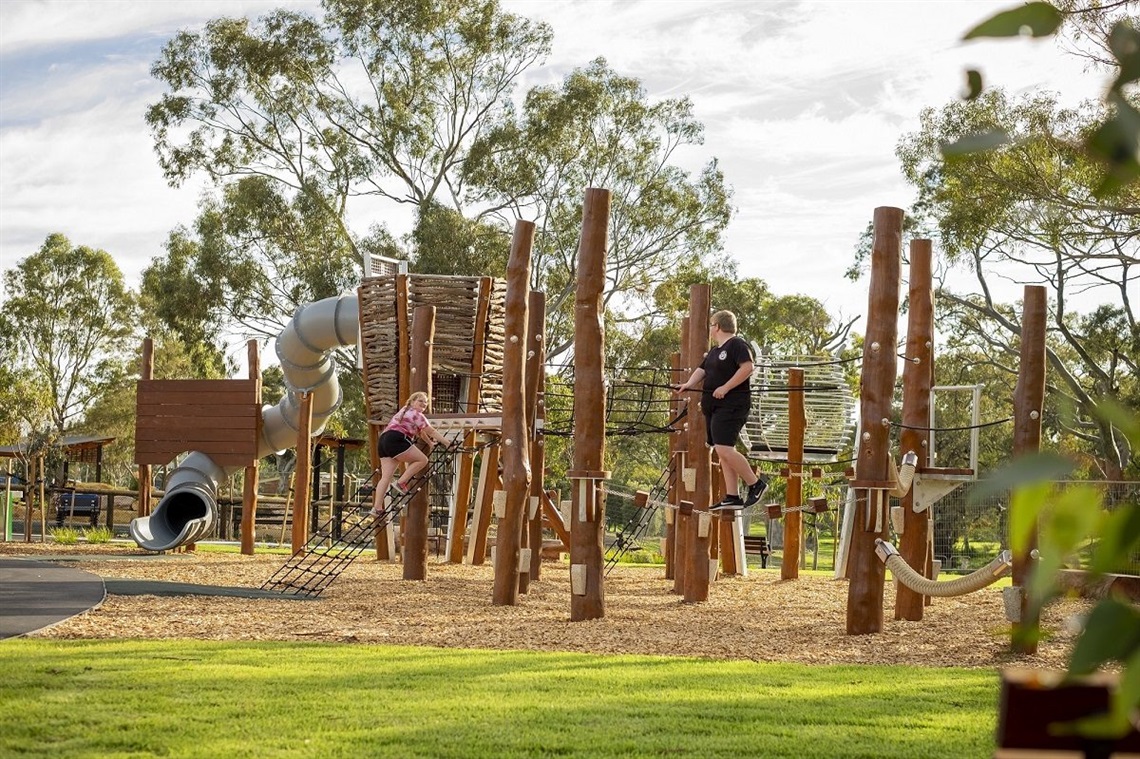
(759, 617)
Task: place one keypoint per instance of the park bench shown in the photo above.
(69, 504)
(757, 545)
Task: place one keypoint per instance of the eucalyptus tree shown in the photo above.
(1028, 211)
(599, 129)
(69, 320)
(390, 104)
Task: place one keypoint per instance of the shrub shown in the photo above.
(99, 535)
(64, 535)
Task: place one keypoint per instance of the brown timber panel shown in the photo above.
(217, 417)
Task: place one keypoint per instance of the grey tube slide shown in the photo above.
(189, 508)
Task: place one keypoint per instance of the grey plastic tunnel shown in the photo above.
(188, 509)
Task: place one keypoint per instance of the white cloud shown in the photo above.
(803, 103)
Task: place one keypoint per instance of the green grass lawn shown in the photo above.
(226, 699)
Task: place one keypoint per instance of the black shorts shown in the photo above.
(723, 424)
(393, 443)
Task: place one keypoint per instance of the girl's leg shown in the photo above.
(414, 460)
(387, 469)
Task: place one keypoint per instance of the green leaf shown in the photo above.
(1124, 42)
(1119, 537)
(973, 84)
(1127, 697)
(1035, 468)
(975, 143)
(1025, 507)
(1117, 143)
(1032, 19)
(1067, 524)
(1121, 417)
(1112, 633)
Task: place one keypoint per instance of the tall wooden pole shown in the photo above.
(686, 477)
(588, 519)
(676, 460)
(1028, 404)
(302, 472)
(918, 379)
(252, 472)
(536, 415)
(866, 572)
(697, 569)
(793, 517)
(146, 372)
(515, 437)
(417, 513)
(457, 521)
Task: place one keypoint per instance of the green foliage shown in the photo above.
(68, 318)
(1028, 210)
(1032, 19)
(1115, 140)
(1069, 519)
(65, 536)
(92, 698)
(98, 534)
(599, 129)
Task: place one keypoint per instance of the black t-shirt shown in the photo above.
(719, 365)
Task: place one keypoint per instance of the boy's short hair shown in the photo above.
(725, 321)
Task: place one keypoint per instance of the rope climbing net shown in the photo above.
(639, 401)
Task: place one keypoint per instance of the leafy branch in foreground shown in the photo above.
(1115, 141)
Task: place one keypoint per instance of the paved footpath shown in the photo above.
(36, 594)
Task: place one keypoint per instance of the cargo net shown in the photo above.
(639, 401)
(634, 512)
(334, 545)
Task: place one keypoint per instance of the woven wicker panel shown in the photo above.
(456, 301)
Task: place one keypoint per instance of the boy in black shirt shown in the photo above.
(726, 398)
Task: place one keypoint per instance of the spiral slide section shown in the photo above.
(189, 509)
(912, 579)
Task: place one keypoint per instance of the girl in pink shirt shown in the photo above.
(397, 445)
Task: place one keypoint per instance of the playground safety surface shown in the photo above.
(758, 617)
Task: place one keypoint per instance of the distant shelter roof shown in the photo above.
(84, 448)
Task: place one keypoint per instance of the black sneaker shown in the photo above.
(730, 503)
(756, 491)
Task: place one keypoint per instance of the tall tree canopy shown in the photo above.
(1028, 211)
(69, 317)
(303, 122)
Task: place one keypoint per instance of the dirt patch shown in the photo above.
(759, 617)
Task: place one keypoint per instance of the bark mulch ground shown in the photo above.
(759, 617)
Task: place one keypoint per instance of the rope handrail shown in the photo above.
(994, 423)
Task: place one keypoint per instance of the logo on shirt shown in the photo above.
(723, 355)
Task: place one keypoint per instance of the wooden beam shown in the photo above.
(515, 437)
(699, 456)
(417, 513)
(918, 379)
(793, 494)
(303, 472)
(252, 472)
(865, 571)
(587, 549)
(1028, 405)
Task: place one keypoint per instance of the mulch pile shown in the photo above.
(759, 617)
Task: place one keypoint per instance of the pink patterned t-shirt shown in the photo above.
(407, 421)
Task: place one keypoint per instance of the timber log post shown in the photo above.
(588, 518)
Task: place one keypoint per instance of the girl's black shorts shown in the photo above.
(393, 443)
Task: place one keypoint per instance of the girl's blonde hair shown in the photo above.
(419, 396)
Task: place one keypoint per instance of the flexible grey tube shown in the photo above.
(189, 509)
(912, 579)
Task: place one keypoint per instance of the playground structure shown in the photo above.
(475, 346)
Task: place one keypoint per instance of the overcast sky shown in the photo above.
(803, 104)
